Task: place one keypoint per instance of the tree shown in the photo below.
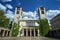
(15, 29)
(4, 21)
(43, 27)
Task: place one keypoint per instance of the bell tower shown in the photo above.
(18, 14)
(42, 13)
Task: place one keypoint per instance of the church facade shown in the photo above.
(28, 27)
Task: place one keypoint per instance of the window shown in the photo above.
(17, 12)
(42, 8)
(30, 23)
(42, 12)
(18, 8)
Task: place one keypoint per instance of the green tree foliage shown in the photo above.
(4, 22)
(43, 27)
(15, 29)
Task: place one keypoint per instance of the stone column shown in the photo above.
(23, 32)
(10, 33)
(38, 32)
(26, 32)
(34, 31)
(30, 31)
(3, 33)
(0, 30)
(7, 33)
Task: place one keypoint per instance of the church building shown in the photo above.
(28, 27)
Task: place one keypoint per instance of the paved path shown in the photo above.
(26, 38)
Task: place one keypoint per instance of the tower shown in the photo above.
(16, 23)
(43, 25)
(18, 14)
(42, 13)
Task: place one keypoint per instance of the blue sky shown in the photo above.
(30, 7)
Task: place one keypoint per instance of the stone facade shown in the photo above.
(55, 25)
(55, 22)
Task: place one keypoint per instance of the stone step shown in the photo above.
(26, 38)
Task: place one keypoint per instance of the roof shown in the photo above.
(55, 17)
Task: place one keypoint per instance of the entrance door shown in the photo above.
(32, 32)
(28, 32)
(36, 32)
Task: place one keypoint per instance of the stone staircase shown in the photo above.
(26, 38)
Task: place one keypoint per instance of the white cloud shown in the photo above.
(9, 14)
(52, 13)
(25, 17)
(6, 0)
(30, 15)
(9, 6)
(2, 7)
